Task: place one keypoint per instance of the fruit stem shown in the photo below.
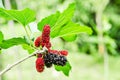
(28, 36)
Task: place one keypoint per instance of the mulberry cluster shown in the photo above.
(55, 59)
(44, 39)
(52, 56)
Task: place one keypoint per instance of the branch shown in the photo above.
(18, 62)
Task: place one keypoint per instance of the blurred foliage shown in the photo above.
(85, 14)
(113, 14)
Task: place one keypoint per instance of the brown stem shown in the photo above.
(18, 62)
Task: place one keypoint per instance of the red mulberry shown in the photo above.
(54, 51)
(40, 64)
(63, 52)
(46, 36)
(38, 41)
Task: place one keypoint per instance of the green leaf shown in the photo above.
(62, 26)
(3, 15)
(63, 20)
(24, 16)
(28, 48)
(65, 69)
(51, 20)
(56, 21)
(1, 37)
(69, 31)
(70, 37)
(12, 42)
(73, 28)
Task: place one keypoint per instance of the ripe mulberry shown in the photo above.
(40, 64)
(48, 60)
(59, 60)
(56, 59)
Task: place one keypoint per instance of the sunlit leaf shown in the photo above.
(24, 16)
(63, 20)
(3, 15)
(56, 21)
(62, 25)
(70, 37)
(74, 29)
(12, 42)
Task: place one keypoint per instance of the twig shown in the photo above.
(18, 62)
(28, 35)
